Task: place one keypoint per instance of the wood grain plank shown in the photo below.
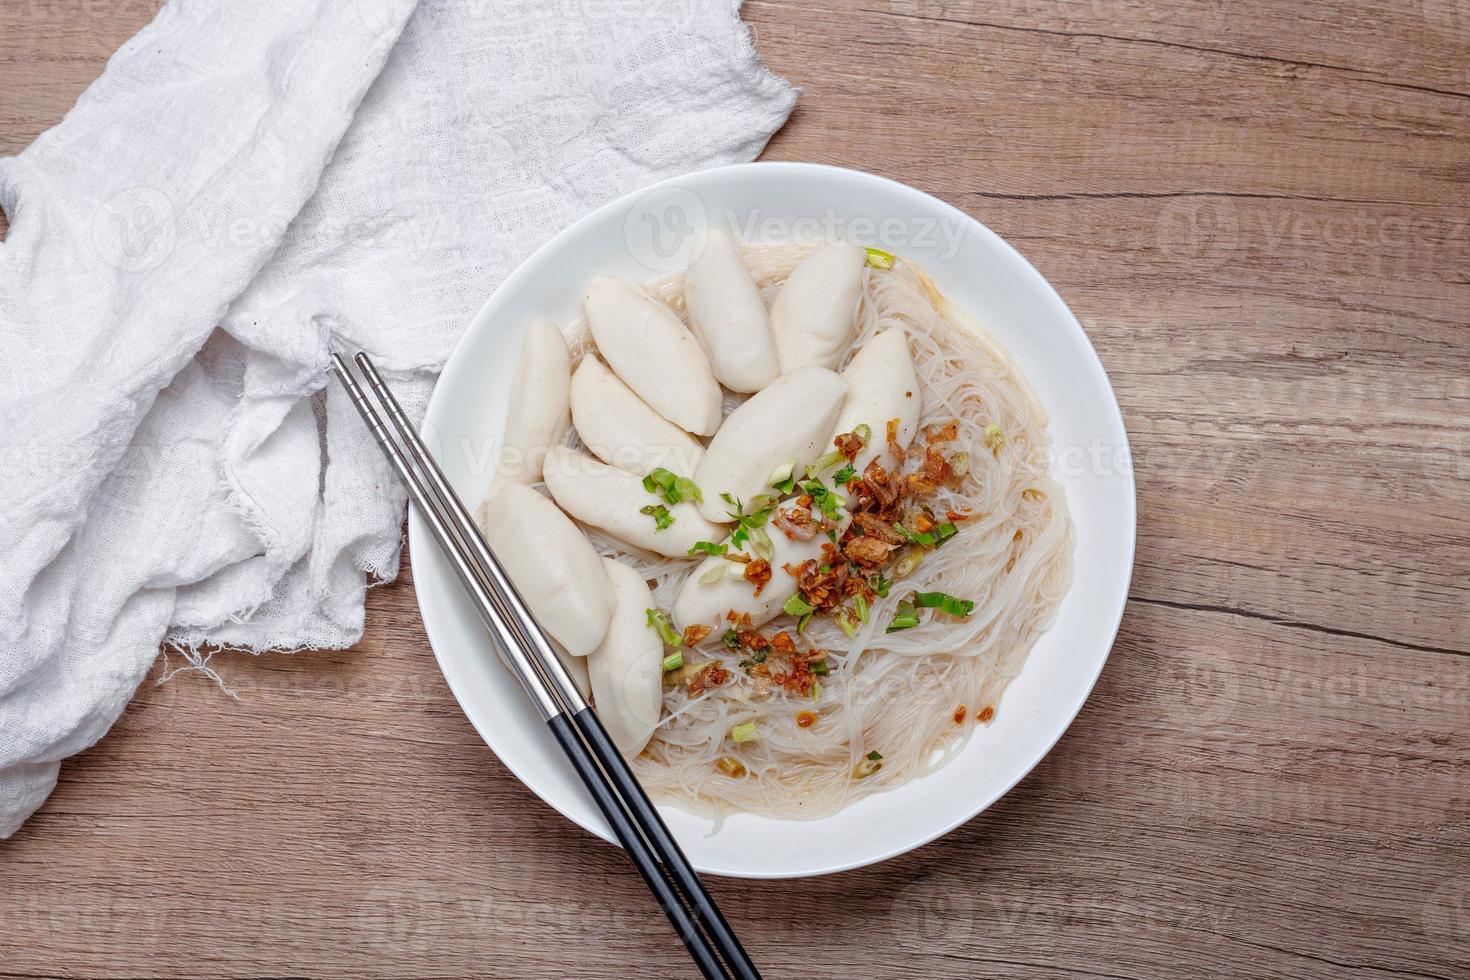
(50, 51)
(1139, 118)
(1258, 213)
(1420, 44)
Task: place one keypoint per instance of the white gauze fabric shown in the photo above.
(303, 176)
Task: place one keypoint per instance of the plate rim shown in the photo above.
(419, 540)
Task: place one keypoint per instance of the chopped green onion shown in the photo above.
(823, 463)
(783, 478)
(905, 618)
(801, 623)
(915, 537)
(880, 585)
(864, 432)
(907, 562)
(816, 689)
(744, 733)
(688, 490)
(995, 437)
(960, 464)
(708, 548)
(666, 631)
(874, 755)
(940, 534)
(741, 536)
(797, 606)
(860, 605)
(660, 481)
(687, 672)
(879, 259)
(672, 487)
(944, 602)
(848, 626)
(844, 475)
(760, 543)
(820, 668)
(660, 514)
(748, 522)
(674, 661)
(828, 502)
(731, 639)
(866, 768)
(712, 574)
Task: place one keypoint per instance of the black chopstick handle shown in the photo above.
(633, 843)
(686, 879)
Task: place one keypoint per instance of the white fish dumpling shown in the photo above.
(729, 318)
(552, 565)
(788, 422)
(708, 602)
(881, 385)
(620, 428)
(627, 668)
(539, 403)
(613, 499)
(814, 313)
(653, 352)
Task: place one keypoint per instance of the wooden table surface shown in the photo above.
(1259, 212)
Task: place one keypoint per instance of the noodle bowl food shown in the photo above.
(788, 515)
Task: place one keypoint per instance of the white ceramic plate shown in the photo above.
(651, 232)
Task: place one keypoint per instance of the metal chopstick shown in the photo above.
(641, 808)
(512, 645)
(529, 657)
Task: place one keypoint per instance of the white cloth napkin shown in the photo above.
(303, 175)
